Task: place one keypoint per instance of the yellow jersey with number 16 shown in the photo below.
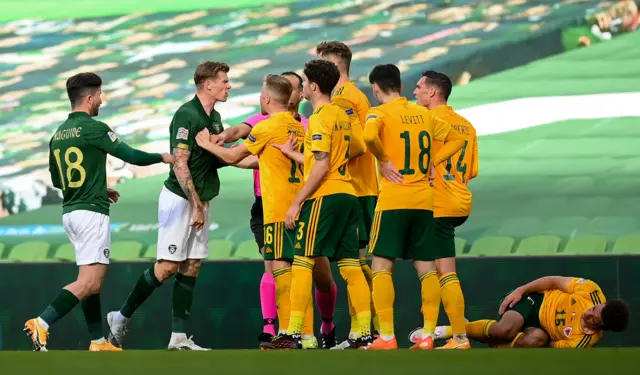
(329, 131)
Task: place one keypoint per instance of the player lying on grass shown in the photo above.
(556, 311)
(77, 162)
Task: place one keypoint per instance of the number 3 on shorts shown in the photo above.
(300, 231)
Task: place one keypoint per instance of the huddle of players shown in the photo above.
(329, 217)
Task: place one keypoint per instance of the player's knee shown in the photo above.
(163, 270)
(424, 267)
(445, 265)
(190, 267)
(532, 338)
(503, 330)
(381, 264)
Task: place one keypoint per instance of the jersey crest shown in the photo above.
(567, 331)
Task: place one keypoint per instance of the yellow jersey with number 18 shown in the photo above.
(407, 132)
(329, 131)
(363, 171)
(452, 196)
(280, 177)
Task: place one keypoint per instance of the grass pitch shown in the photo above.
(617, 361)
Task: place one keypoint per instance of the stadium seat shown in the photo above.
(220, 249)
(586, 244)
(32, 251)
(538, 245)
(520, 227)
(461, 243)
(247, 250)
(65, 253)
(629, 244)
(150, 252)
(492, 246)
(565, 226)
(125, 251)
(613, 227)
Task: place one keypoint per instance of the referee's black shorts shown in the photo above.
(257, 222)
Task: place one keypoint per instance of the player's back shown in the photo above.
(329, 131)
(363, 168)
(560, 312)
(407, 137)
(452, 196)
(280, 177)
(79, 164)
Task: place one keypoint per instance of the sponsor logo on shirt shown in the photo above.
(349, 111)
(112, 136)
(251, 138)
(316, 137)
(182, 134)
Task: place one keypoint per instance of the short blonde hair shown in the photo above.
(279, 87)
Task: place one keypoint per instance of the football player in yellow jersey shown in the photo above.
(401, 134)
(452, 198)
(362, 167)
(327, 206)
(556, 311)
(280, 179)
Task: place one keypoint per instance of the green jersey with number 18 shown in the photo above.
(78, 160)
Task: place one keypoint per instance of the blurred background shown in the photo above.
(552, 88)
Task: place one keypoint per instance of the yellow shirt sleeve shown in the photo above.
(259, 137)
(440, 128)
(320, 134)
(588, 289)
(578, 342)
(372, 128)
(474, 160)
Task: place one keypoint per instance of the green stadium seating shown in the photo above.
(629, 244)
(65, 253)
(31, 251)
(247, 250)
(538, 245)
(613, 226)
(461, 243)
(125, 251)
(520, 227)
(150, 252)
(561, 226)
(2, 247)
(492, 246)
(586, 244)
(220, 249)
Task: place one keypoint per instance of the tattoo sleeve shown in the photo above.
(181, 169)
(320, 155)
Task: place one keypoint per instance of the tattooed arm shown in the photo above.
(181, 169)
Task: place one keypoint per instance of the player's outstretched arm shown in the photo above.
(317, 174)
(228, 155)
(250, 162)
(106, 140)
(536, 286)
(183, 175)
(452, 144)
(234, 133)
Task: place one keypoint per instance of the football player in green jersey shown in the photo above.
(77, 162)
(183, 208)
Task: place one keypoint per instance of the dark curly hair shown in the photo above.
(615, 315)
(323, 73)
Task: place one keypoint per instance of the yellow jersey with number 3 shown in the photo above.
(452, 196)
(363, 171)
(280, 177)
(407, 132)
(329, 131)
(560, 314)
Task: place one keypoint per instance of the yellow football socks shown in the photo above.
(383, 297)
(301, 282)
(453, 302)
(479, 329)
(369, 276)
(430, 301)
(359, 293)
(354, 332)
(282, 278)
(307, 327)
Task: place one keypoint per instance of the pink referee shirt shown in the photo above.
(252, 121)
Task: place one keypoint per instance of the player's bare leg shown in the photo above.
(86, 288)
(453, 301)
(325, 284)
(150, 279)
(531, 337)
(383, 299)
(430, 290)
(185, 282)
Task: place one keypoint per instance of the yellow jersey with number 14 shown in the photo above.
(452, 196)
(280, 177)
(329, 131)
(407, 132)
(363, 171)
